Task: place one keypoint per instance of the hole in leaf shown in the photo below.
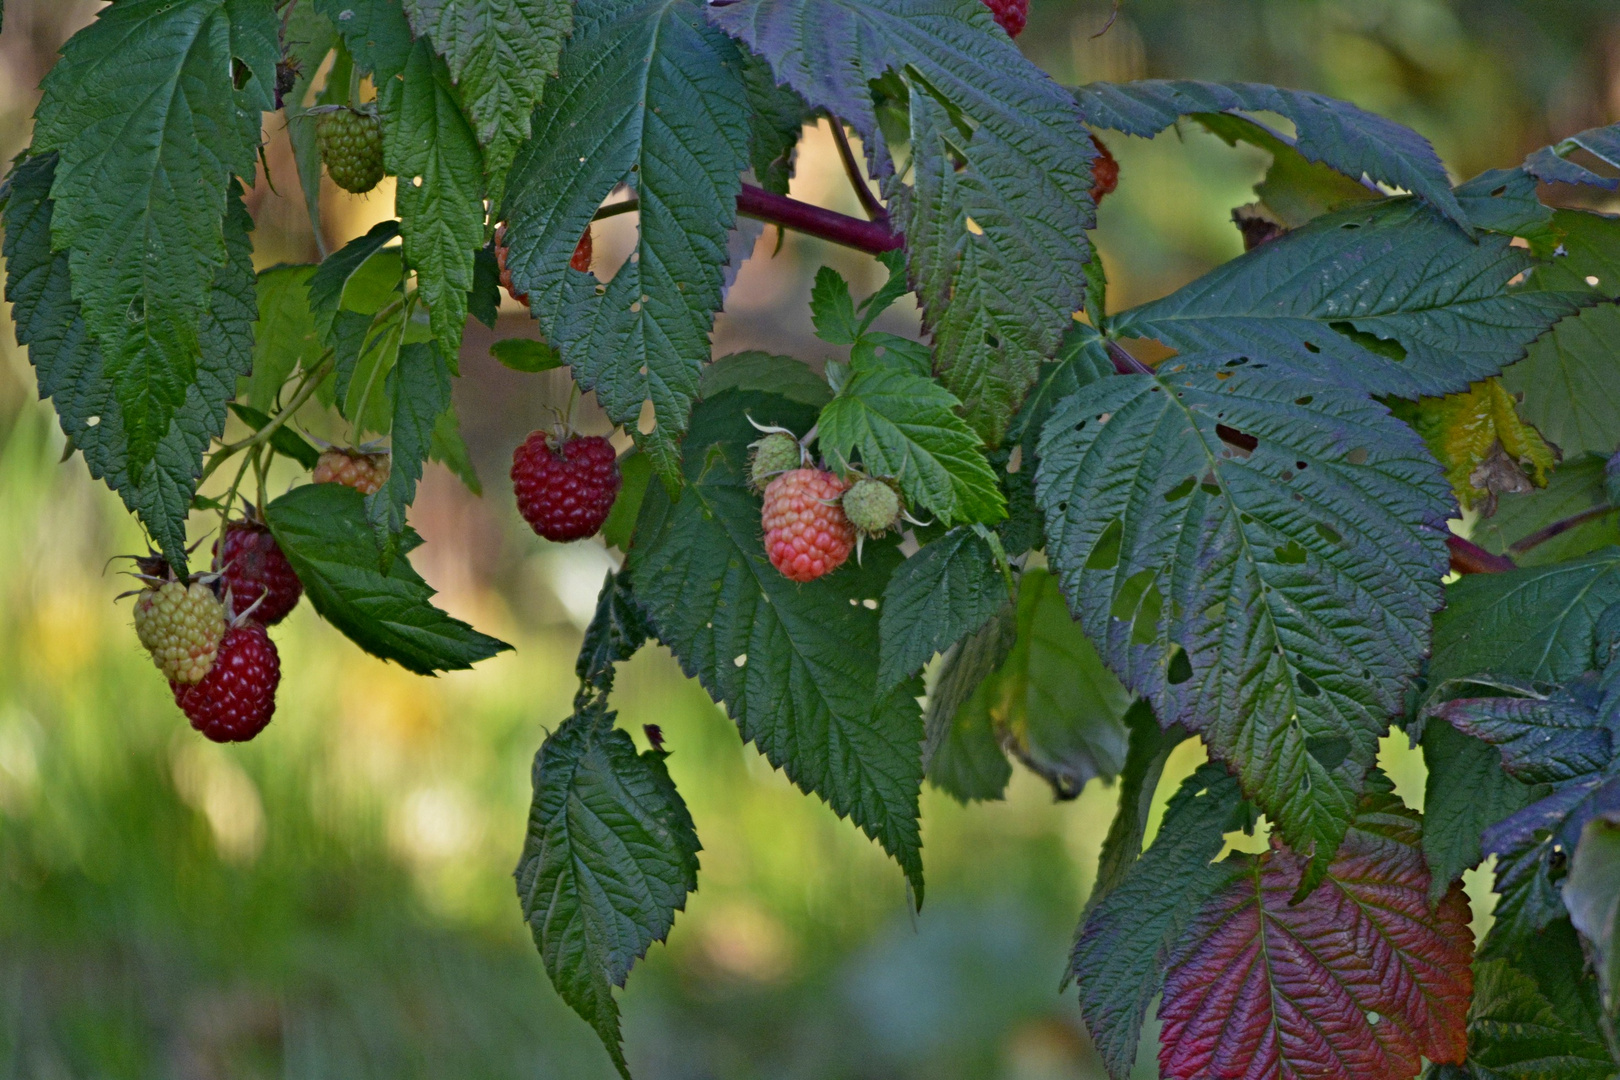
(1305, 399)
(1358, 456)
(1180, 669)
(1181, 490)
(1350, 225)
(1105, 553)
(1311, 346)
(1301, 465)
(1329, 533)
(1130, 594)
(1081, 426)
(1210, 487)
(1216, 611)
(1496, 193)
(1328, 750)
(1292, 552)
(1385, 347)
(1307, 685)
(991, 340)
(1237, 362)
(1145, 630)
(740, 659)
(1240, 441)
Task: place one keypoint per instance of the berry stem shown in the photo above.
(874, 209)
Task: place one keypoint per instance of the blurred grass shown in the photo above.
(334, 899)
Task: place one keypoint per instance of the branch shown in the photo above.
(1468, 557)
(863, 192)
(872, 237)
(1541, 536)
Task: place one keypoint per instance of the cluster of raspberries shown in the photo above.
(208, 635)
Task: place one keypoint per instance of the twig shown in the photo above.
(306, 388)
(1541, 536)
(1468, 557)
(874, 209)
(872, 237)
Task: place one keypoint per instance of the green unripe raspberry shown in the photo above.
(774, 455)
(181, 627)
(350, 142)
(872, 507)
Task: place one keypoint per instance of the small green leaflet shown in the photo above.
(947, 590)
(419, 387)
(997, 247)
(781, 376)
(449, 449)
(500, 53)
(648, 93)
(795, 665)
(285, 337)
(1131, 931)
(1514, 1031)
(610, 856)
(904, 426)
(76, 375)
(1228, 533)
(1402, 302)
(1466, 792)
(430, 147)
(525, 354)
(324, 531)
(1550, 165)
(776, 116)
(1335, 133)
(961, 755)
(150, 129)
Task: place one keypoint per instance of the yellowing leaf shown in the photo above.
(1486, 447)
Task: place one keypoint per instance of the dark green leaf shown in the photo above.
(1402, 302)
(310, 37)
(635, 470)
(1544, 737)
(618, 629)
(525, 354)
(832, 309)
(782, 376)
(500, 53)
(330, 281)
(997, 247)
(1467, 791)
(75, 374)
(1504, 201)
(1295, 188)
(905, 426)
(610, 856)
(419, 387)
(947, 590)
(1128, 936)
(1515, 1033)
(1548, 164)
(150, 130)
(776, 116)
(1335, 133)
(430, 147)
(648, 94)
(1592, 895)
(285, 338)
(795, 665)
(1574, 487)
(484, 298)
(1150, 748)
(961, 754)
(325, 533)
(449, 449)
(283, 441)
(376, 33)
(1230, 534)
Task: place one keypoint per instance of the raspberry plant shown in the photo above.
(1245, 542)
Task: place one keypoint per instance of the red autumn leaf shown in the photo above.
(1360, 980)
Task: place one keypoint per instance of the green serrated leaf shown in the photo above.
(1402, 302)
(329, 284)
(635, 471)
(648, 94)
(1150, 748)
(947, 590)
(832, 308)
(795, 665)
(376, 33)
(610, 856)
(905, 426)
(997, 248)
(619, 627)
(1295, 189)
(419, 389)
(324, 531)
(429, 145)
(892, 289)
(500, 54)
(776, 116)
(285, 338)
(1466, 793)
(1592, 895)
(81, 381)
(961, 755)
(1504, 201)
(1228, 533)
(782, 376)
(1515, 1032)
(484, 298)
(449, 449)
(1128, 936)
(150, 129)
(310, 37)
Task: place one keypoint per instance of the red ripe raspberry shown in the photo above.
(806, 532)
(237, 697)
(251, 565)
(1010, 14)
(565, 494)
(366, 473)
(1104, 171)
(580, 260)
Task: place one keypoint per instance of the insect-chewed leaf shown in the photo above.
(609, 858)
(997, 247)
(795, 665)
(1358, 981)
(429, 145)
(1258, 553)
(1548, 164)
(947, 590)
(83, 381)
(1514, 1031)
(1467, 791)
(648, 93)
(1401, 302)
(500, 53)
(1567, 378)
(150, 129)
(904, 425)
(325, 534)
(1485, 446)
(1131, 929)
(1335, 133)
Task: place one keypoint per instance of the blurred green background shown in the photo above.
(334, 899)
